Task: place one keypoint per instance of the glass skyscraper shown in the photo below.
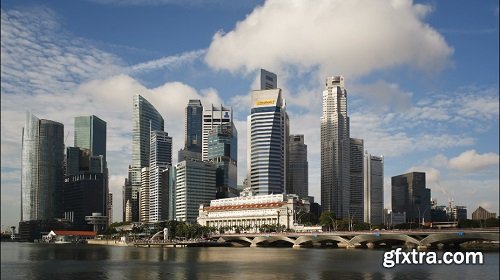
(41, 169)
(193, 126)
(268, 137)
(297, 173)
(90, 133)
(223, 152)
(160, 161)
(145, 118)
(356, 191)
(373, 189)
(335, 149)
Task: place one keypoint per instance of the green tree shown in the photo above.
(328, 219)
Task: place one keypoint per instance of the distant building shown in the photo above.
(213, 117)
(268, 80)
(373, 189)
(392, 218)
(195, 185)
(268, 130)
(42, 170)
(145, 118)
(110, 208)
(144, 196)
(298, 168)
(223, 153)
(253, 211)
(90, 133)
(459, 213)
(127, 200)
(335, 149)
(160, 160)
(410, 195)
(356, 202)
(482, 214)
(193, 126)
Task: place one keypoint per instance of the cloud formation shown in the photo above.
(472, 161)
(349, 37)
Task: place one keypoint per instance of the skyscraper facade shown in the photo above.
(356, 190)
(268, 139)
(160, 160)
(193, 126)
(410, 195)
(213, 117)
(144, 196)
(90, 133)
(335, 149)
(195, 185)
(223, 153)
(41, 169)
(373, 189)
(145, 118)
(268, 80)
(297, 174)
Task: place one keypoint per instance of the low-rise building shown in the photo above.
(253, 211)
(482, 214)
(392, 218)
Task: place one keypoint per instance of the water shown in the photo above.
(53, 261)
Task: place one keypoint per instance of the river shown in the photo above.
(73, 262)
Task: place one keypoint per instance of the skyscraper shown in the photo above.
(145, 119)
(268, 139)
(160, 160)
(193, 126)
(297, 174)
(223, 152)
(90, 133)
(127, 199)
(410, 195)
(373, 189)
(335, 149)
(268, 80)
(356, 179)
(213, 117)
(195, 185)
(144, 196)
(41, 169)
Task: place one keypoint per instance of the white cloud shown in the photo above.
(166, 62)
(472, 161)
(349, 37)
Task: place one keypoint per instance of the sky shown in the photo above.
(422, 79)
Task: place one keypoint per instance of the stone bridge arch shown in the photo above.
(237, 239)
(318, 238)
(381, 238)
(458, 237)
(272, 239)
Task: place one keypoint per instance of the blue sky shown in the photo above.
(422, 78)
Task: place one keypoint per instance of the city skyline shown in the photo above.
(433, 108)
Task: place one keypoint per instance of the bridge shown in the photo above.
(421, 239)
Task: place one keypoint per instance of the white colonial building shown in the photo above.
(253, 211)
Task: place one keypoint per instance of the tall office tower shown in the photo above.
(110, 208)
(145, 119)
(373, 189)
(127, 200)
(195, 185)
(41, 169)
(335, 148)
(356, 190)
(213, 117)
(160, 160)
(90, 133)
(268, 139)
(193, 126)
(410, 195)
(268, 80)
(297, 173)
(172, 177)
(193, 132)
(223, 152)
(144, 196)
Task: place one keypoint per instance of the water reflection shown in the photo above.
(39, 261)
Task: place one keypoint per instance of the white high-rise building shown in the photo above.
(194, 185)
(268, 139)
(373, 189)
(213, 117)
(160, 160)
(144, 196)
(335, 149)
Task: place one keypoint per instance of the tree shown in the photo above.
(328, 219)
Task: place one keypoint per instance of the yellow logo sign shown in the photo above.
(265, 102)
